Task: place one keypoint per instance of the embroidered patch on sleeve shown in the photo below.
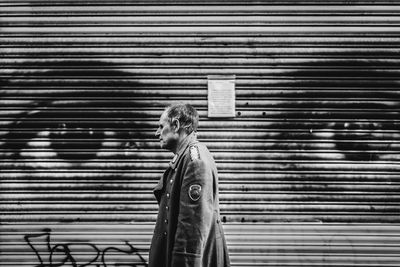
(195, 192)
(194, 153)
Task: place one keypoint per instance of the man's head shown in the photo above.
(176, 122)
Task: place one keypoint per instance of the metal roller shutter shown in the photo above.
(309, 167)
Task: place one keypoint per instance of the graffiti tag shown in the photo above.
(60, 254)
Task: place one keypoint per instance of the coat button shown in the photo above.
(167, 195)
(165, 233)
(166, 207)
(171, 181)
(166, 221)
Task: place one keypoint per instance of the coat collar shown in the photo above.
(189, 140)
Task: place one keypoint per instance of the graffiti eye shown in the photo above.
(47, 138)
(62, 142)
(74, 142)
(67, 142)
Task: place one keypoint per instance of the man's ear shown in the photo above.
(176, 125)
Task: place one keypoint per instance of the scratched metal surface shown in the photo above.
(309, 167)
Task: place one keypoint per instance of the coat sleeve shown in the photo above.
(195, 215)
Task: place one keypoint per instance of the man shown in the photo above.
(188, 230)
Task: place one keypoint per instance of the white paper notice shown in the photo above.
(221, 96)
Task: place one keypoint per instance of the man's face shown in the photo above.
(167, 134)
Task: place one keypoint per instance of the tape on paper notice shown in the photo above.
(221, 96)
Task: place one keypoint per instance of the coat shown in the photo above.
(188, 230)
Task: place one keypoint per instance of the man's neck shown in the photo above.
(180, 141)
(184, 140)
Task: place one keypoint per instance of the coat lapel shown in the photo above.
(159, 189)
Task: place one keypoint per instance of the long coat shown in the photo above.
(188, 230)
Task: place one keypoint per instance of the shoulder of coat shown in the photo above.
(194, 152)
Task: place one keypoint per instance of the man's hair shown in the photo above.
(186, 115)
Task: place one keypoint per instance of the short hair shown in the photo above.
(186, 114)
